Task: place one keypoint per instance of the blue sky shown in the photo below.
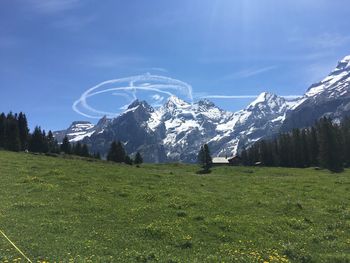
(52, 51)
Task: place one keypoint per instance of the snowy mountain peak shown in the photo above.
(81, 125)
(335, 84)
(176, 102)
(76, 131)
(176, 130)
(343, 64)
(206, 103)
(263, 97)
(138, 104)
(267, 100)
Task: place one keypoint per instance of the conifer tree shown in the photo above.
(330, 150)
(36, 143)
(244, 157)
(305, 148)
(12, 141)
(204, 158)
(77, 149)
(52, 143)
(121, 154)
(116, 152)
(65, 146)
(45, 144)
(3, 121)
(313, 147)
(138, 158)
(97, 156)
(128, 160)
(85, 151)
(23, 130)
(112, 153)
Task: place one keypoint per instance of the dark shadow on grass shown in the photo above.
(203, 172)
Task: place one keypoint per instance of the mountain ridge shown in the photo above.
(178, 126)
(176, 130)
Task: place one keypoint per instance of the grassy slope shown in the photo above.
(61, 209)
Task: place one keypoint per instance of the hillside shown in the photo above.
(58, 209)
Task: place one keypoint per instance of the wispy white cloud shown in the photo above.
(130, 85)
(157, 97)
(153, 69)
(248, 73)
(159, 69)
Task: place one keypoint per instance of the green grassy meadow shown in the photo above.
(67, 210)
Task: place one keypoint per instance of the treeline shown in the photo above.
(14, 131)
(76, 149)
(118, 154)
(325, 145)
(15, 136)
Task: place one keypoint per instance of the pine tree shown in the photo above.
(297, 149)
(330, 150)
(65, 146)
(116, 152)
(204, 158)
(138, 158)
(36, 143)
(52, 143)
(313, 147)
(128, 160)
(345, 132)
(200, 157)
(244, 157)
(85, 151)
(23, 130)
(45, 145)
(305, 152)
(3, 121)
(121, 154)
(12, 141)
(112, 153)
(77, 149)
(97, 156)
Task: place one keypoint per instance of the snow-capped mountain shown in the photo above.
(176, 130)
(262, 118)
(329, 97)
(78, 130)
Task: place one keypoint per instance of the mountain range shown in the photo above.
(176, 130)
